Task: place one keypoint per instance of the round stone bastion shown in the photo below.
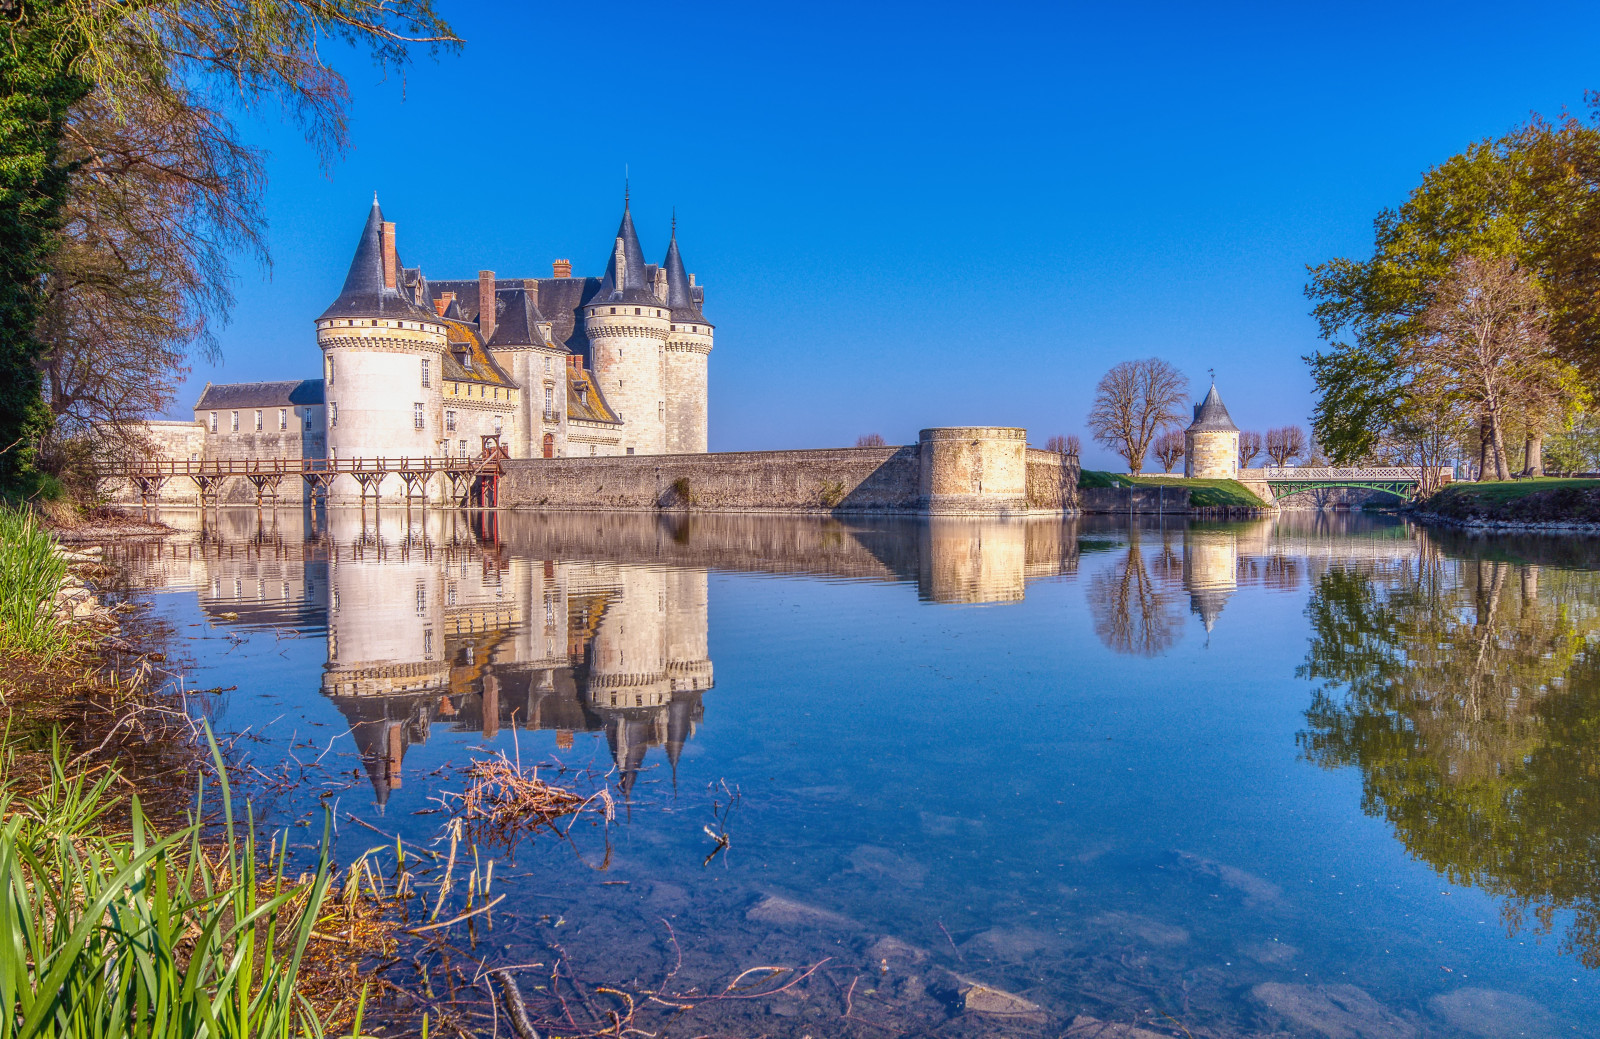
(973, 470)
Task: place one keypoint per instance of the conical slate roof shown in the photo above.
(636, 283)
(680, 297)
(1211, 415)
(364, 294)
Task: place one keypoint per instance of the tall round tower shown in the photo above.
(1211, 443)
(628, 325)
(688, 350)
(383, 359)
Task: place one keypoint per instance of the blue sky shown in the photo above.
(915, 215)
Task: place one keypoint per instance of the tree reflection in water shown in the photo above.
(1467, 691)
(1134, 601)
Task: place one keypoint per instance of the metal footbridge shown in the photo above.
(1403, 482)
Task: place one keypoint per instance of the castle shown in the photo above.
(540, 367)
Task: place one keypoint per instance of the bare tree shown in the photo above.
(1285, 444)
(1057, 443)
(1169, 449)
(870, 440)
(1249, 447)
(1133, 402)
(1485, 339)
(1134, 611)
(1074, 446)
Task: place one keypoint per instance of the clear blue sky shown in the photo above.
(915, 215)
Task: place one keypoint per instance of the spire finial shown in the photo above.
(625, 192)
(674, 221)
(1213, 373)
(374, 196)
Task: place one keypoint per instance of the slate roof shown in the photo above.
(638, 283)
(259, 395)
(1210, 415)
(364, 294)
(463, 338)
(681, 296)
(518, 321)
(585, 402)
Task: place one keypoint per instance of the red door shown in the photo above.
(549, 445)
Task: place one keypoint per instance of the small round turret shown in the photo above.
(1211, 443)
(688, 351)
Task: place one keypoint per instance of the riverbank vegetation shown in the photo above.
(30, 573)
(1540, 501)
(1471, 332)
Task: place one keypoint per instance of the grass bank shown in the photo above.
(1203, 494)
(1531, 501)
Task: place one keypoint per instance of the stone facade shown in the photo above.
(973, 469)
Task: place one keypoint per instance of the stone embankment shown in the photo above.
(1508, 508)
(77, 599)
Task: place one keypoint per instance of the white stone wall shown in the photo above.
(372, 380)
(628, 357)
(974, 469)
(686, 389)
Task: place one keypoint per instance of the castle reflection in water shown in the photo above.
(598, 622)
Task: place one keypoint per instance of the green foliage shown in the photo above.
(142, 936)
(30, 575)
(1467, 693)
(37, 87)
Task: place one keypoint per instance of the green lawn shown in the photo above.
(1203, 494)
(1510, 490)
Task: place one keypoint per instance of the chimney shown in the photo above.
(386, 246)
(442, 302)
(661, 284)
(575, 362)
(619, 261)
(562, 268)
(486, 307)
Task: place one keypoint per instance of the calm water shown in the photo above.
(1319, 775)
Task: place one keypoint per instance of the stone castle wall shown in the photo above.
(862, 479)
(1052, 480)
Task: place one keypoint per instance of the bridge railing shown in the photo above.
(1322, 474)
(296, 466)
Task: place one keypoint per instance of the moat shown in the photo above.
(1320, 774)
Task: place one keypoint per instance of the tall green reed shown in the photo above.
(140, 936)
(30, 574)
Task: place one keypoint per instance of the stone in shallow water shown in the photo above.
(1085, 1027)
(893, 952)
(1489, 1014)
(1252, 887)
(1333, 1011)
(881, 863)
(786, 912)
(978, 998)
(1007, 943)
(1153, 931)
(1271, 951)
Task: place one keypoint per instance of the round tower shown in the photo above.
(688, 351)
(382, 363)
(1211, 443)
(628, 325)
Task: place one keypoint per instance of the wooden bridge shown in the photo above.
(473, 480)
(1401, 481)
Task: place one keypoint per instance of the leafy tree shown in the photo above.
(38, 85)
(1169, 449)
(1466, 693)
(1134, 402)
(150, 187)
